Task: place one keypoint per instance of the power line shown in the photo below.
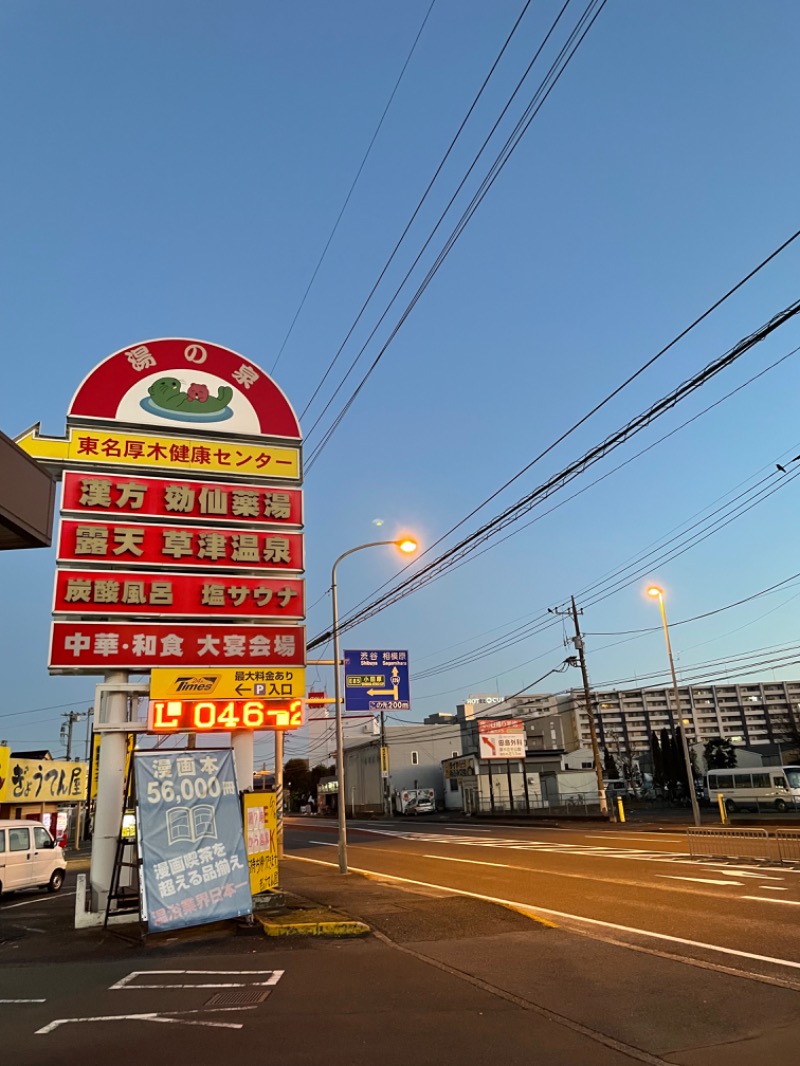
(550, 80)
(417, 209)
(352, 187)
(512, 513)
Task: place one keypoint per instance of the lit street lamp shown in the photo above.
(658, 594)
(405, 545)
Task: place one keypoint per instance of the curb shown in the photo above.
(290, 926)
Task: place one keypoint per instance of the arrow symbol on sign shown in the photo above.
(241, 689)
(383, 692)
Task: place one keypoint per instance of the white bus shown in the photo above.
(776, 787)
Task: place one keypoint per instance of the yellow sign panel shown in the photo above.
(41, 780)
(99, 447)
(261, 837)
(228, 683)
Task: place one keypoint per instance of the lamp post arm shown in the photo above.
(337, 688)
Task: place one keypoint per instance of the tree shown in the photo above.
(719, 754)
(667, 759)
(610, 763)
(681, 774)
(297, 782)
(658, 759)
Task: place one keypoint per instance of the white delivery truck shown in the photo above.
(415, 801)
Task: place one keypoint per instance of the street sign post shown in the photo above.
(376, 681)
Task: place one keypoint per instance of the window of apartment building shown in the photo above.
(415, 758)
(453, 785)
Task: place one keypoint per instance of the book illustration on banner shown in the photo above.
(192, 824)
(172, 398)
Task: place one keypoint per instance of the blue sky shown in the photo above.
(176, 169)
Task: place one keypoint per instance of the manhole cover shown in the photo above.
(237, 999)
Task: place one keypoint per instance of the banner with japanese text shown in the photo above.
(194, 864)
(261, 834)
(41, 780)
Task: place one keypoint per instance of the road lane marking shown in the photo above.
(23, 1000)
(773, 888)
(39, 899)
(768, 899)
(167, 1016)
(574, 917)
(702, 880)
(125, 983)
(474, 862)
(738, 873)
(326, 843)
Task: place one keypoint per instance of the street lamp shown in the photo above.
(658, 594)
(407, 545)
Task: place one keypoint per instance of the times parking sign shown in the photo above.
(376, 681)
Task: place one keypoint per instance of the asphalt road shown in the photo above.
(634, 884)
(442, 975)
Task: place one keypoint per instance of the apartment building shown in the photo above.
(753, 714)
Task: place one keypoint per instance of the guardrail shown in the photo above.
(788, 844)
(726, 843)
(757, 844)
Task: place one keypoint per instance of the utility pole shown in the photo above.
(66, 730)
(577, 640)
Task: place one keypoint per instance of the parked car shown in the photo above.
(29, 857)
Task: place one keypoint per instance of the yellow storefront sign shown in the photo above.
(228, 683)
(261, 837)
(96, 738)
(162, 452)
(41, 780)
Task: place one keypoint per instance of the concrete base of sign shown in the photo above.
(311, 921)
(85, 918)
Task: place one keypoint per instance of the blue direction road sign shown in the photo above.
(376, 681)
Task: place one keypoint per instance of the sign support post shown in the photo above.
(279, 789)
(110, 794)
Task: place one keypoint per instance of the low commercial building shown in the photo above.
(415, 754)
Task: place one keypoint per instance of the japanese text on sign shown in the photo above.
(145, 545)
(154, 497)
(194, 862)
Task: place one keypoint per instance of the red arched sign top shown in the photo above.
(176, 381)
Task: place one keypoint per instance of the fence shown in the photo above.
(566, 805)
(756, 844)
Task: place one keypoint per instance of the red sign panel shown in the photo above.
(222, 716)
(179, 499)
(187, 383)
(500, 725)
(198, 547)
(95, 647)
(122, 592)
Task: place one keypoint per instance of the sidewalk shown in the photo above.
(655, 1008)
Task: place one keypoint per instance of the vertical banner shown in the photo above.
(194, 864)
(261, 835)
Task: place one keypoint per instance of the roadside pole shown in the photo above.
(110, 792)
(279, 789)
(577, 640)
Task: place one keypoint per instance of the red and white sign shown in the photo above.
(132, 593)
(185, 383)
(501, 739)
(178, 499)
(79, 646)
(198, 547)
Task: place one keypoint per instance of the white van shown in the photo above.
(29, 857)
